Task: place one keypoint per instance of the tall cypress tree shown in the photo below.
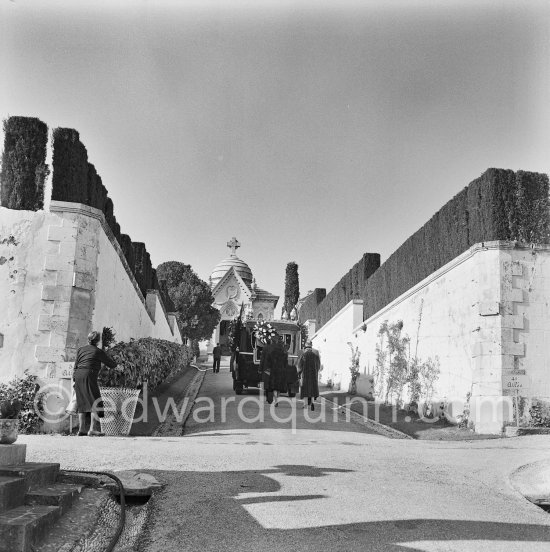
(292, 287)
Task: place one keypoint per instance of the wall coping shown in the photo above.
(85, 210)
(499, 245)
(337, 315)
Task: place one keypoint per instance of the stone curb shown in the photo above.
(382, 429)
(172, 426)
(533, 482)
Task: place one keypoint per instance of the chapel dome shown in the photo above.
(242, 269)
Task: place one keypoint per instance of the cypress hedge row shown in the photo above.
(70, 167)
(351, 286)
(74, 179)
(143, 268)
(499, 205)
(308, 310)
(24, 168)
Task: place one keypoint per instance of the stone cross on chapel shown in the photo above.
(233, 244)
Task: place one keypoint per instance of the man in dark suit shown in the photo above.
(217, 356)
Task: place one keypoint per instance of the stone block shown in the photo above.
(12, 454)
(85, 280)
(56, 293)
(59, 262)
(44, 323)
(86, 253)
(65, 277)
(50, 278)
(52, 248)
(58, 339)
(81, 304)
(61, 308)
(62, 233)
(87, 267)
(49, 354)
(515, 321)
(67, 249)
(514, 295)
(511, 348)
(46, 307)
(509, 362)
(517, 268)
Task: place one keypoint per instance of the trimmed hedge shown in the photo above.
(70, 167)
(24, 168)
(351, 286)
(499, 205)
(146, 359)
(128, 250)
(143, 268)
(308, 309)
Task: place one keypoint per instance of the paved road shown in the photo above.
(251, 487)
(218, 408)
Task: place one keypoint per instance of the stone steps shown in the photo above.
(22, 527)
(55, 494)
(34, 473)
(12, 492)
(31, 499)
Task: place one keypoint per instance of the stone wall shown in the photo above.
(62, 273)
(483, 316)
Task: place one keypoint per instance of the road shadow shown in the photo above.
(207, 511)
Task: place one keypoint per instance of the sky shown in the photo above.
(312, 131)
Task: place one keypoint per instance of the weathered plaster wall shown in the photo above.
(483, 315)
(62, 273)
(332, 343)
(23, 249)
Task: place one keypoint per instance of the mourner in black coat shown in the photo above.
(308, 370)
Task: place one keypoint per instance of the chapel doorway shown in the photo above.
(224, 337)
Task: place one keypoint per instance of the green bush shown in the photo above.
(25, 391)
(144, 360)
(24, 168)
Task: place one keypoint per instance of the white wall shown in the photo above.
(23, 239)
(483, 315)
(332, 343)
(62, 273)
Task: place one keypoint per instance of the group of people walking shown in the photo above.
(273, 367)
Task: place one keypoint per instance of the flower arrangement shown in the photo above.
(264, 331)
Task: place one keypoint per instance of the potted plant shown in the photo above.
(119, 390)
(9, 421)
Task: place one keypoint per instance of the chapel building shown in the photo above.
(234, 286)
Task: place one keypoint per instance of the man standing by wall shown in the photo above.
(217, 355)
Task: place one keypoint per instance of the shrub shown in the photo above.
(70, 167)
(24, 168)
(144, 360)
(24, 391)
(540, 414)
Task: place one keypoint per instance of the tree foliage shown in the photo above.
(292, 287)
(193, 299)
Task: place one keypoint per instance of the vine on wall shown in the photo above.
(396, 374)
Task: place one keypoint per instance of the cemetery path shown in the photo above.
(245, 488)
